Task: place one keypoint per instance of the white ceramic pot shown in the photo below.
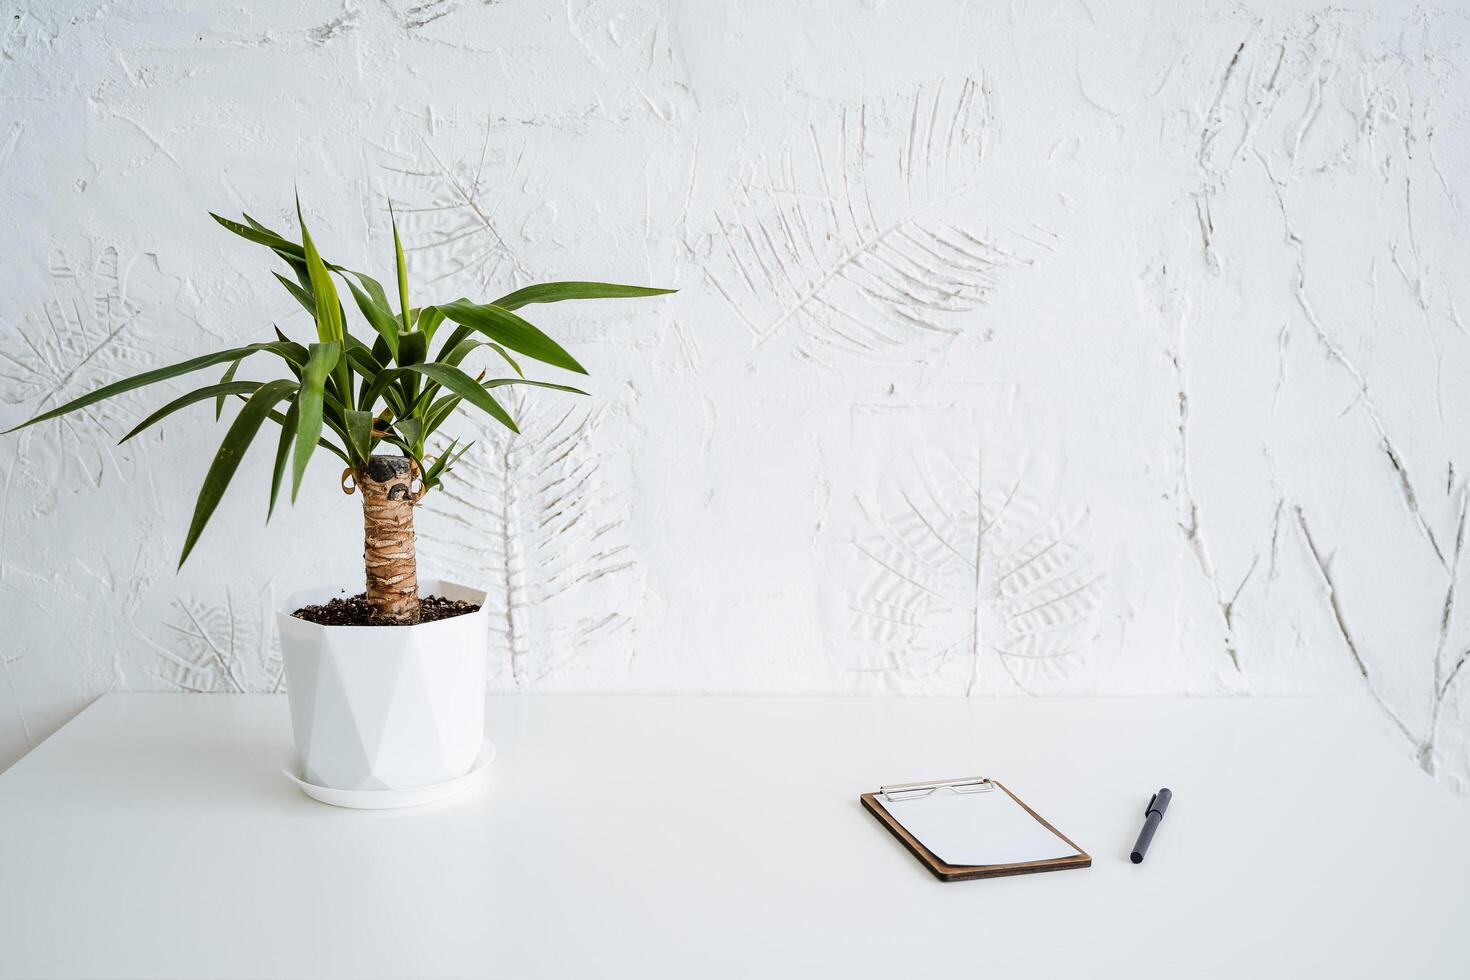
(385, 707)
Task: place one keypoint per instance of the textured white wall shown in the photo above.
(1073, 347)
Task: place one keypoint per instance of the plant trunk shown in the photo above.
(388, 498)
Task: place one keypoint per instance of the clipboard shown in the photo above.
(973, 812)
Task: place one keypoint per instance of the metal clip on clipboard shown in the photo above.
(913, 791)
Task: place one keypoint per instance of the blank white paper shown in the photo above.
(977, 828)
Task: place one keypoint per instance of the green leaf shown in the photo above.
(333, 420)
(237, 440)
(373, 287)
(302, 296)
(219, 403)
(428, 320)
(395, 401)
(333, 402)
(293, 353)
(431, 474)
(329, 321)
(379, 317)
(467, 388)
(467, 346)
(359, 427)
(411, 430)
(412, 348)
(289, 351)
(402, 269)
(303, 278)
(382, 356)
(555, 292)
(403, 447)
(257, 225)
(506, 328)
(432, 477)
(382, 387)
(439, 411)
(328, 305)
(259, 234)
(382, 353)
(362, 358)
(309, 423)
(151, 377)
(221, 391)
(283, 453)
(460, 351)
(436, 469)
(322, 443)
(508, 359)
(502, 382)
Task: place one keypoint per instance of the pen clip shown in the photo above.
(1151, 801)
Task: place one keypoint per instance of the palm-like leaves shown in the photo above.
(347, 395)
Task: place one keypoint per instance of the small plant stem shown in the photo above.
(388, 498)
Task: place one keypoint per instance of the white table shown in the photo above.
(690, 837)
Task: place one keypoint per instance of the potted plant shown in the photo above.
(386, 687)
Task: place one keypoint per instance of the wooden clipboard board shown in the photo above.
(957, 872)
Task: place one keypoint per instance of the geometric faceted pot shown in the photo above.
(385, 707)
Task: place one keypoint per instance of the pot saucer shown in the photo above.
(391, 799)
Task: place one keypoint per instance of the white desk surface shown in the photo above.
(699, 837)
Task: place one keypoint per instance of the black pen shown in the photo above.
(1152, 815)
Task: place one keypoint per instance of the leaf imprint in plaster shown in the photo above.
(861, 236)
(84, 335)
(466, 198)
(226, 647)
(969, 571)
(538, 521)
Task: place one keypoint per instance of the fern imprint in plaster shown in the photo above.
(536, 520)
(969, 571)
(853, 239)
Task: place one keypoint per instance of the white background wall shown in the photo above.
(1079, 347)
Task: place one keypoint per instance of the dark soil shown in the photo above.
(355, 611)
